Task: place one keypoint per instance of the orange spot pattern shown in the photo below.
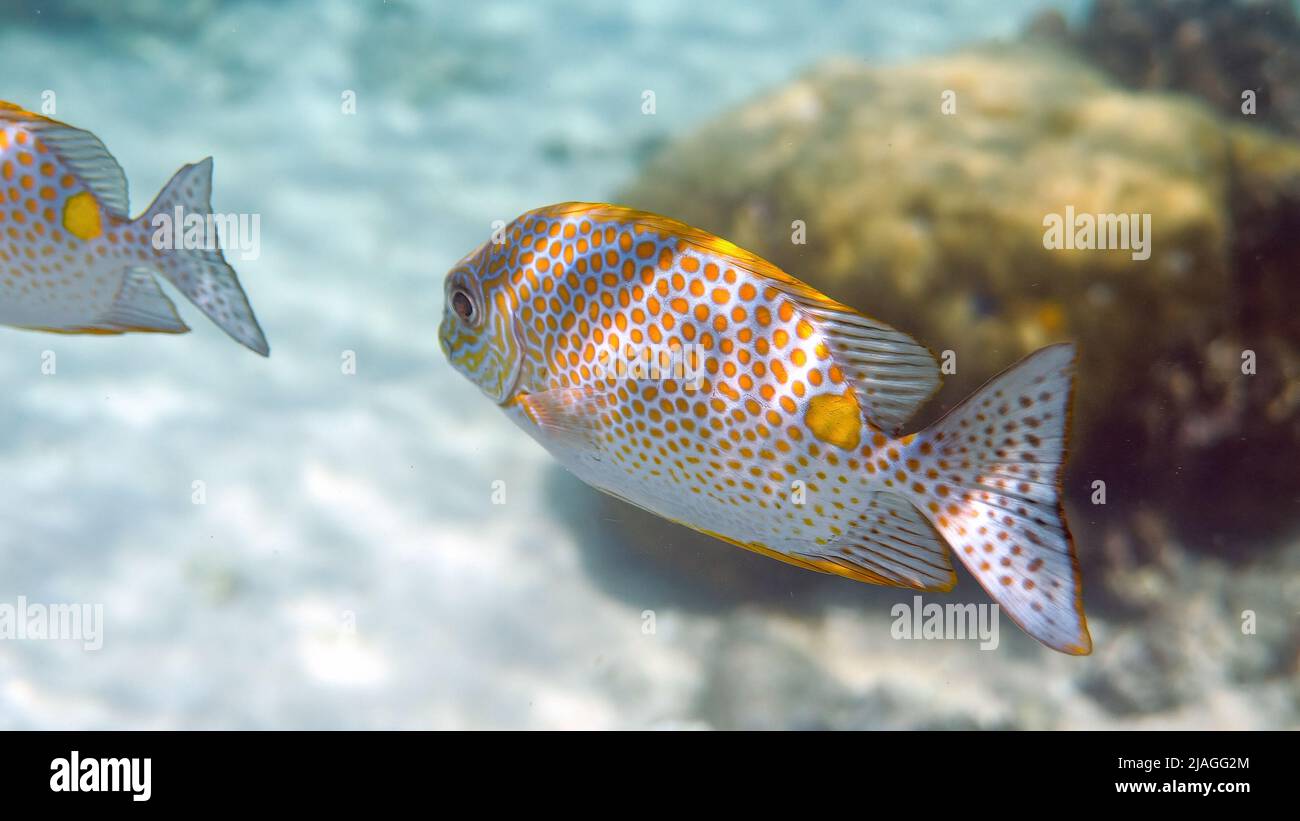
(591, 290)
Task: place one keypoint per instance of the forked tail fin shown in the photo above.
(993, 490)
(202, 274)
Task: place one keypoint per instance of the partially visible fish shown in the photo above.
(73, 261)
(797, 394)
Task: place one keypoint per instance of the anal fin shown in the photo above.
(141, 306)
(891, 543)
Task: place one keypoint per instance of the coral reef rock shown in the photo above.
(1215, 49)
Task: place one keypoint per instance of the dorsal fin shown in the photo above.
(83, 154)
(892, 374)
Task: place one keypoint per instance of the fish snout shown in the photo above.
(444, 338)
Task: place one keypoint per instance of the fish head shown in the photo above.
(479, 334)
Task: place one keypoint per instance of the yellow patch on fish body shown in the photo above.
(81, 216)
(835, 419)
(773, 423)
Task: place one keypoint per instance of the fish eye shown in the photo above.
(462, 305)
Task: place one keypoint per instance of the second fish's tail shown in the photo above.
(202, 273)
(989, 479)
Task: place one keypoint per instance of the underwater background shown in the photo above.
(347, 566)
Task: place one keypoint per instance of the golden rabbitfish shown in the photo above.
(776, 429)
(73, 261)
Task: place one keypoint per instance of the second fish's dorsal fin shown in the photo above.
(87, 158)
(892, 374)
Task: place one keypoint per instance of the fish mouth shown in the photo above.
(445, 335)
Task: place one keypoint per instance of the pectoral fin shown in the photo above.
(570, 417)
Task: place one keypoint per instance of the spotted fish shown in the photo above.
(773, 421)
(72, 260)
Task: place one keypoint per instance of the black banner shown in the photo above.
(234, 770)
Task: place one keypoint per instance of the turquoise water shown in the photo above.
(347, 567)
